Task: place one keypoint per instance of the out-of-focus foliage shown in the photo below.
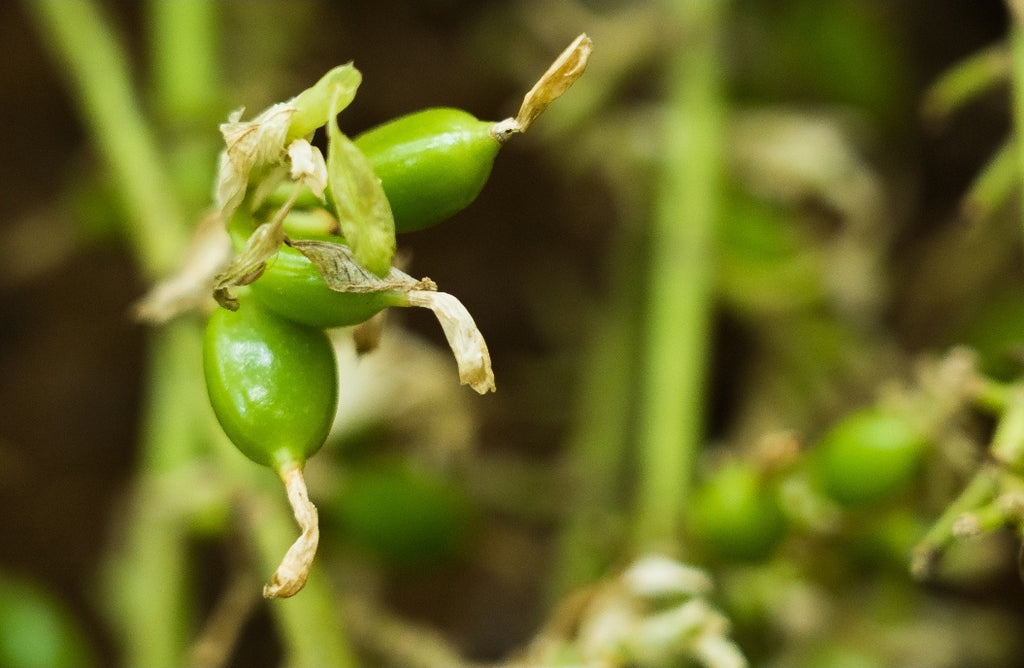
(866, 227)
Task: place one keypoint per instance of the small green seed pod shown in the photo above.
(432, 163)
(273, 384)
(293, 288)
(869, 456)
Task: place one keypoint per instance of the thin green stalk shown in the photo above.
(680, 280)
(85, 47)
(186, 72)
(597, 455)
(1017, 79)
(981, 489)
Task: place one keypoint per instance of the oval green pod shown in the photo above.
(868, 456)
(292, 287)
(432, 163)
(735, 515)
(273, 384)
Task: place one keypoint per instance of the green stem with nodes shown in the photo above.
(680, 280)
(596, 456)
(81, 40)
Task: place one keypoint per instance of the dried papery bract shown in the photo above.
(252, 149)
(307, 168)
(464, 338)
(342, 273)
(563, 73)
(291, 574)
(208, 253)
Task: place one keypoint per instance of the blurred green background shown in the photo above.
(840, 253)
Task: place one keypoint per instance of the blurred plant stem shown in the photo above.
(679, 299)
(1017, 79)
(149, 586)
(597, 455)
(82, 42)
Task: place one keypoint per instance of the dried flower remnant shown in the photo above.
(291, 574)
(208, 253)
(563, 73)
(342, 273)
(254, 148)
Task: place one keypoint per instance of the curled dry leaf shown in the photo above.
(342, 273)
(209, 251)
(248, 265)
(563, 73)
(464, 338)
(290, 576)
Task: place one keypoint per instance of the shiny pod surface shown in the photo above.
(292, 287)
(432, 163)
(273, 384)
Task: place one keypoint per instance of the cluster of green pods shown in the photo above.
(269, 367)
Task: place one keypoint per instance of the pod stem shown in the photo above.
(291, 575)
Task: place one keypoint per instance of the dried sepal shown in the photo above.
(290, 576)
(563, 73)
(252, 149)
(249, 146)
(464, 338)
(342, 273)
(208, 252)
(364, 213)
(249, 264)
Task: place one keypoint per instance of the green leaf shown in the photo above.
(363, 210)
(323, 100)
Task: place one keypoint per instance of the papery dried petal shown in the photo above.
(464, 338)
(249, 146)
(308, 166)
(209, 251)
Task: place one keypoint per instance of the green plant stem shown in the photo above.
(84, 46)
(965, 81)
(186, 76)
(1017, 80)
(1007, 445)
(597, 455)
(680, 280)
(981, 489)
